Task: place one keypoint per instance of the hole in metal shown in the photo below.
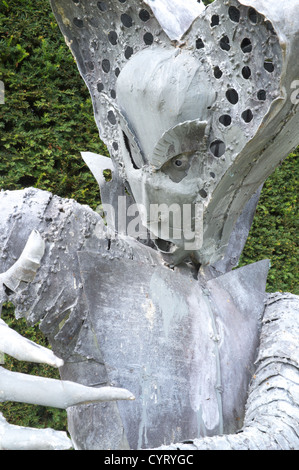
(246, 45)
(148, 39)
(246, 72)
(144, 15)
(100, 86)
(262, 95)
(7, 290)
(107, 175)
(234, 14)
(106, 65)
(225, 120)
(215, 20)
(126, 20)
(232, 96)
(269, 27)
(217, 148)
(199, 43)
(247, 115)
(203, 193)
(111, 118)
(224, 43)
(112, 36)
(253, 15)
(102, 6)
(77, 22)
(217, 72)
(128, 147)
(128, 52)
(269, 66)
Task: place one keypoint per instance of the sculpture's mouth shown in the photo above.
(165, 246)
(176, 244)
(173, 254)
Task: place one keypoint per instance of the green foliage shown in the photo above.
(274, 233)
(23, 414)
(47, 120)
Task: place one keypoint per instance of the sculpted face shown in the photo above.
(165, 120)
(190, 106)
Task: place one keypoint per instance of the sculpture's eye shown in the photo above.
(177, 168)
(181, 162)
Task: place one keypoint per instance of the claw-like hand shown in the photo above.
(37, 390)
(23, 349)
(21, 438)
(25, 267)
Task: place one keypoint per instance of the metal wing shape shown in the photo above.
(103, 36)
(245, 51)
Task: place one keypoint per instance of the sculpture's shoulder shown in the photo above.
(55, 298)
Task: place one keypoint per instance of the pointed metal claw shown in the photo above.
(22, 438)
(22, 349)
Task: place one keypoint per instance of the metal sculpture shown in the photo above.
(37, 390)
(193, 105)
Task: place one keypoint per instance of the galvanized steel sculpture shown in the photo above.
(194, 106)
(37, 390)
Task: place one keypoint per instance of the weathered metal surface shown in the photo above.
(217, 99)
(175, 16)
(37, 390)
(186, 352)
(140, 324)
(204, 124)
(272, 417)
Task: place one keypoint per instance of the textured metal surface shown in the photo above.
(156, 334)
(18, 387)
(213, 96)
(117, 315)
(229, 74)
(272, 417)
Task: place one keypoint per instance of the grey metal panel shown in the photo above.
(272, 418)
(179, 348)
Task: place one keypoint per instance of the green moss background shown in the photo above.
(47, 120)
